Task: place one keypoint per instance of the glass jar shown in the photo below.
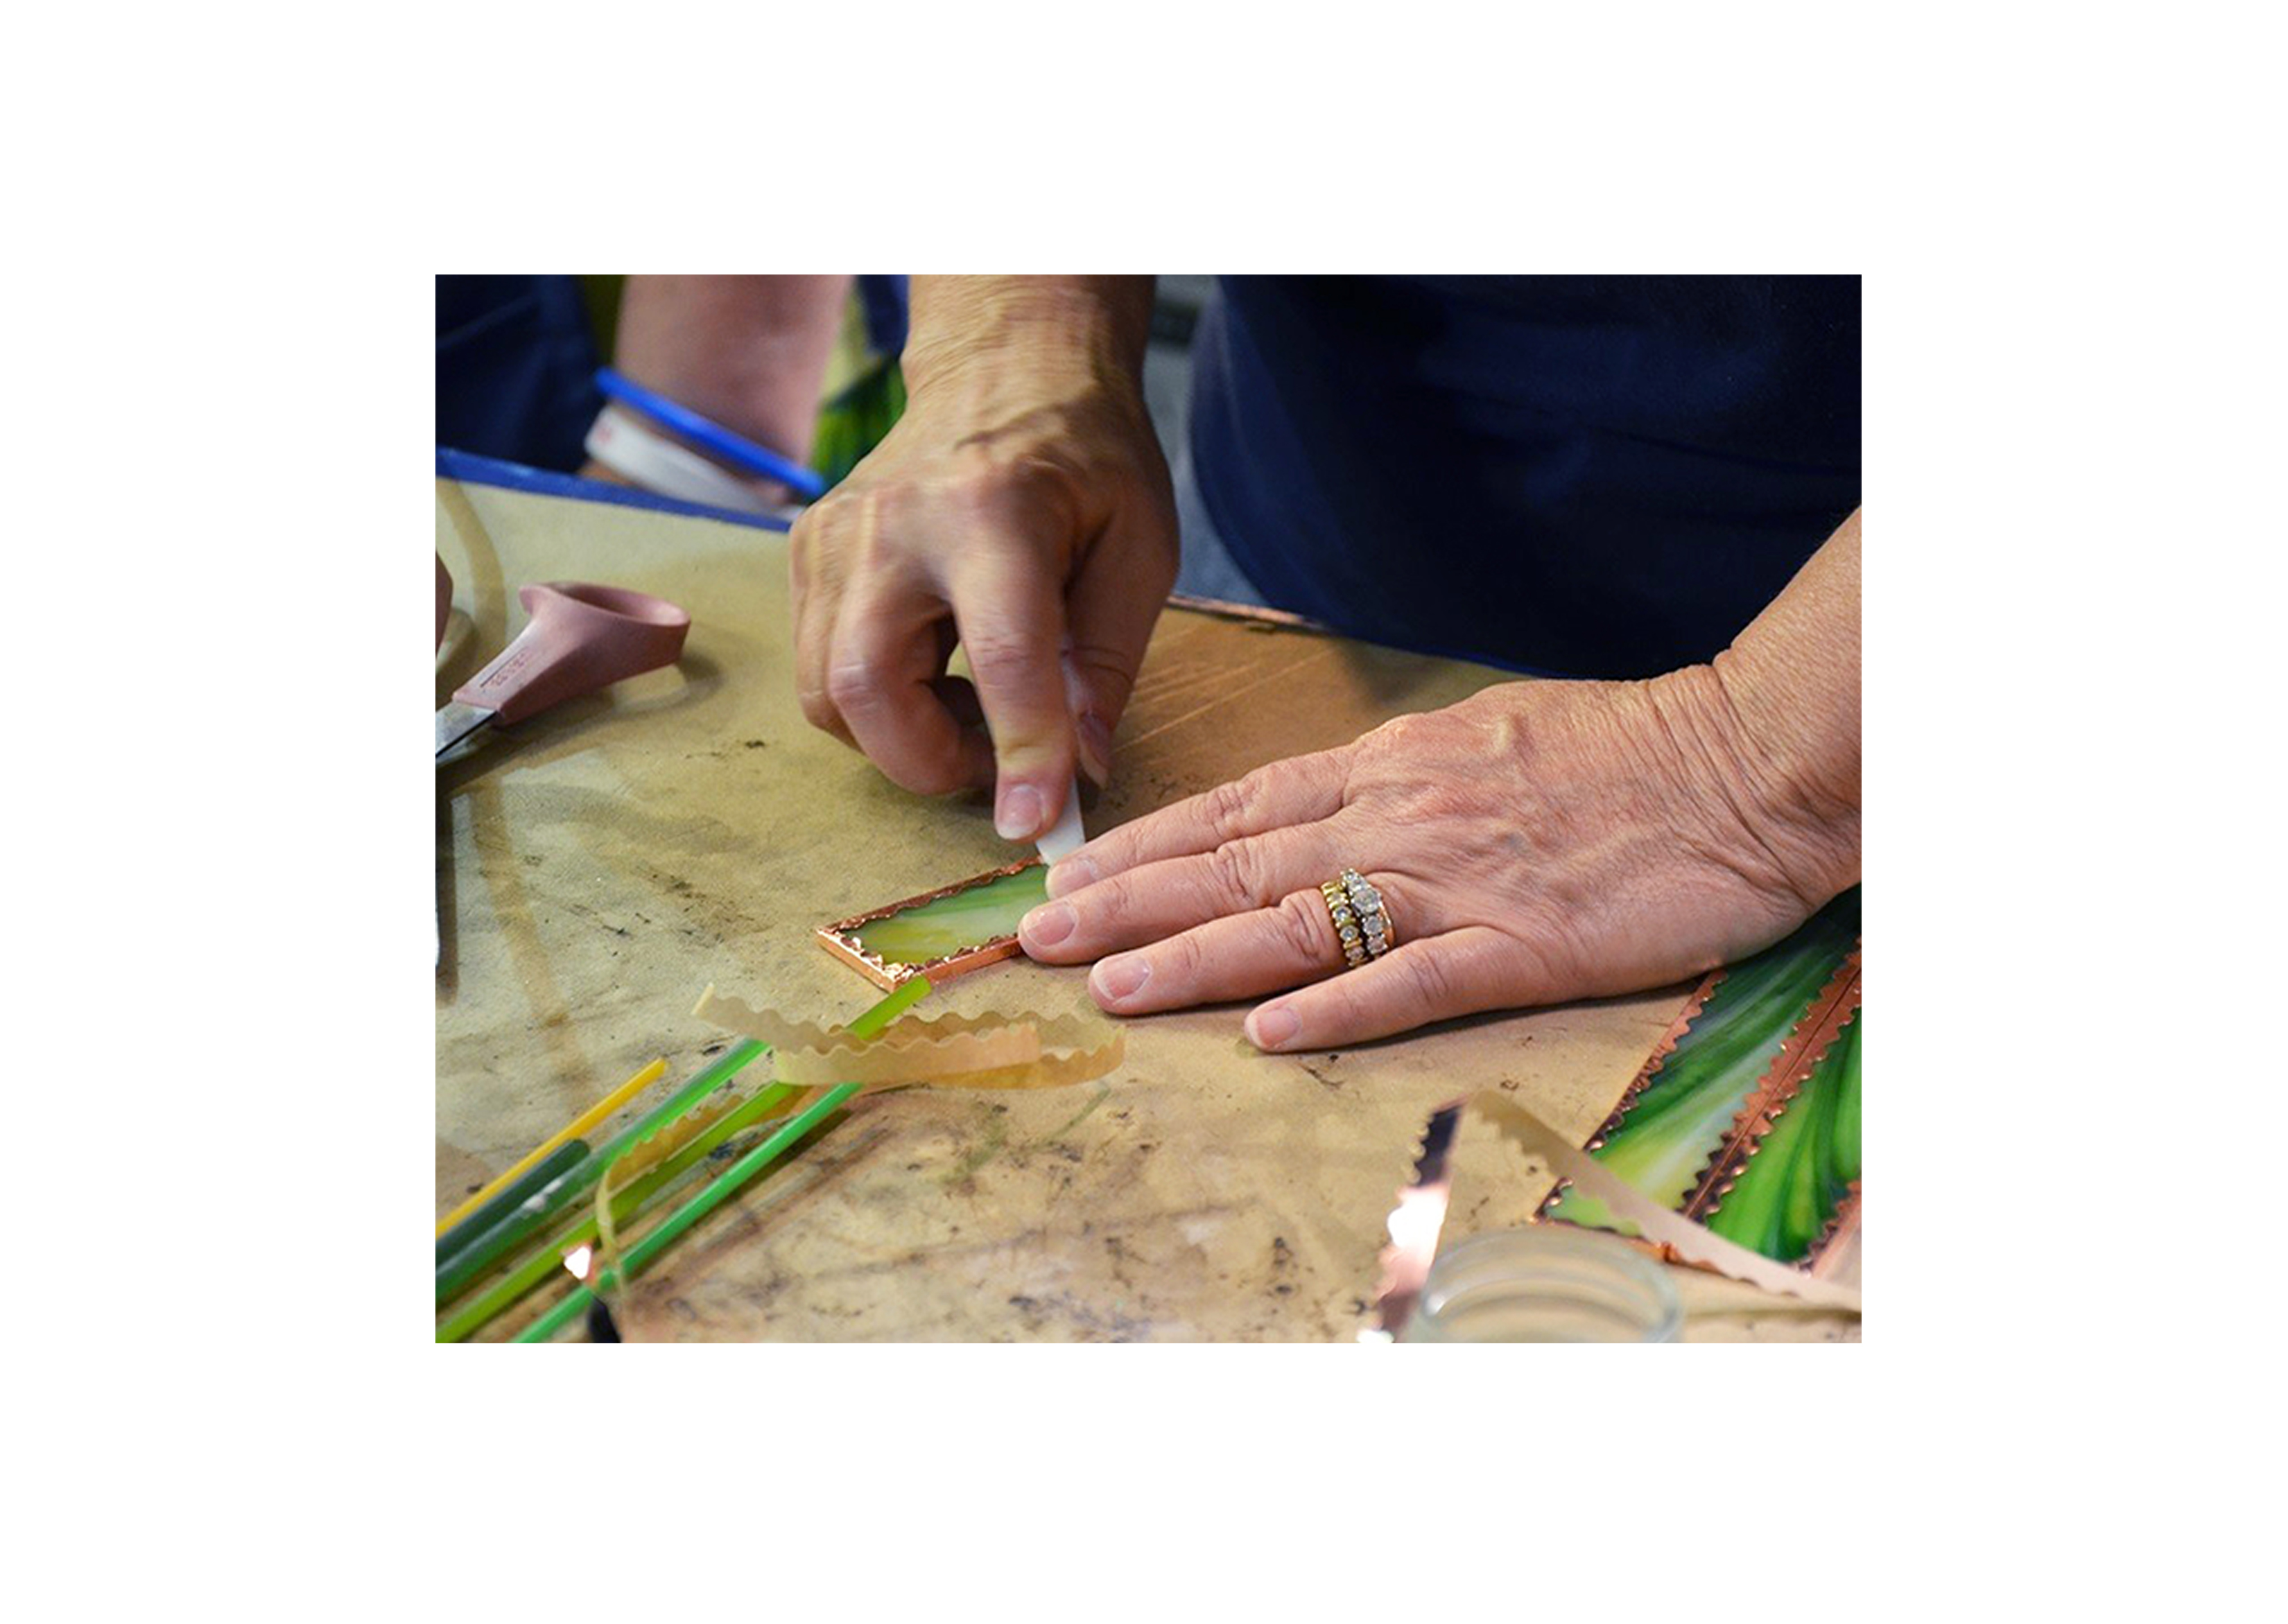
(1543, 1283)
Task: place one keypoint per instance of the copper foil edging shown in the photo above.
(1839, 1228)
(1643, 1079)
(840, 939)
(1708, 1251)
(1813, 1035)
(1224, 608)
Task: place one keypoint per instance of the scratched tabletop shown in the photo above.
(599, 866)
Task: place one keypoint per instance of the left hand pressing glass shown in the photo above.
(1540, 841)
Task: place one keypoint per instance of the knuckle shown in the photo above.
(1302, 921)
(853, 683)
(1431, 979)
(939, 776)
(1017, 482)
(817, 710)
(920, 764)
(1111, 904)
(1338, 1008)
(817, 527)
(1234, 873)
(845, 530)
(976, 467)
(991, 497)
(876, 521)
(1541, 962)
(1228, 805)
(1003, 653)
(1107, 673)
(1413, 738)
(1182, 958)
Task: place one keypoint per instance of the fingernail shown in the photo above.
(1122, 977)
(1096, 748)
(1070, 875)
(1273, 1026)
(1048, 924)
(1017, 817)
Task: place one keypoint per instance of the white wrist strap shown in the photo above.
(628, 448)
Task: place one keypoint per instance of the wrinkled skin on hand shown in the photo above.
(1021, 506)
(1540, 841)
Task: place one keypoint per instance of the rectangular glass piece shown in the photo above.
(942, 933)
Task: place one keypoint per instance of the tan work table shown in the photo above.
(601, 865)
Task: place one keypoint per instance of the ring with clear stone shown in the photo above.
(1362, 921)
(1376, 931)
(1350, 934)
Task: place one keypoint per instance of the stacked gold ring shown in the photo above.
(1361, 923)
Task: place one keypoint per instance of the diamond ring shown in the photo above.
(1361, 923)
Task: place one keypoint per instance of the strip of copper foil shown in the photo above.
(1840, 1241)
(1815, 1034)
(1420, 1214)
(1643, 1079)
(1654, 1061)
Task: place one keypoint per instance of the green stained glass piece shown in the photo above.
(1846, 1107)
(940, 929)
(1679, 1122)
(1789, 1190)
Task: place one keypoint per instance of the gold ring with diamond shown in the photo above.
(1374, 917)
(1361, 923)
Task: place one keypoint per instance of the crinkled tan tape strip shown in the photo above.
(671, 1137)
(969, 1051)
(1681, 1236)
(635, 1163)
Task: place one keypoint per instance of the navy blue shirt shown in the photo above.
(516, 368)
(1592, 476)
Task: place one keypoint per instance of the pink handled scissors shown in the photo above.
(580, 639)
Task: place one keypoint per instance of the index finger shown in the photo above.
(1302, 789)
(882, 679)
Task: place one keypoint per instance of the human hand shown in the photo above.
(1540, 841)
(1021, 506)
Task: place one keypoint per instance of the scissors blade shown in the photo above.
(455, 723)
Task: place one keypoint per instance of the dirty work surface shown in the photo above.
(599, 867)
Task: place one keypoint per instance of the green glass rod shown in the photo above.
(537, 1268)
(535, 1178)
(627, 1205)
(697, 1207)
(566, 1187)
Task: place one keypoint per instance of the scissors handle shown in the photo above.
(580, 639)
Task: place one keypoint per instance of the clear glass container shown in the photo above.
(1546, 1284)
